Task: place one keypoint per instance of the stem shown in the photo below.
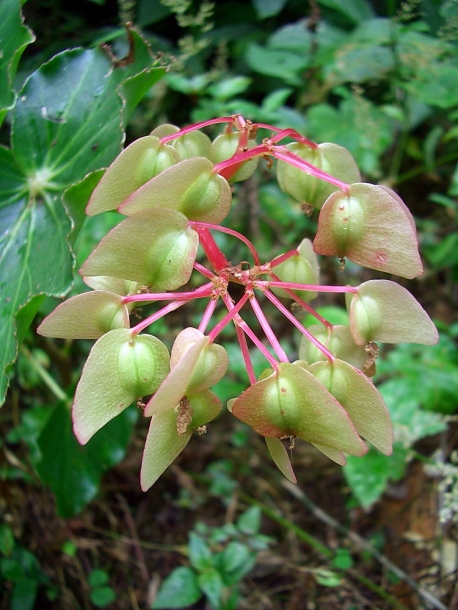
(156, 316)
(308, 308)
(283, 257)
(195, 126)
(199, 293)
(44, 375)
(245, 353)
(308, 287)
(256, 151)
(210, 247)
(197, 226)
(271, 336)
(204, 271)
(207, 315)
(324, 350)
(282, 153)
(416, 171)
(286, 133)
(239, 321)
(228, 317)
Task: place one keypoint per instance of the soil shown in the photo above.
(139, 538)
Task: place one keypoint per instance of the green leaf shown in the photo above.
(14, 37)
(404, 397)
(229, 87)
(179, 590)
(67, 122)
(292, 37)
(73, 472)
(200, 554)
(356, 11)
(69, 113)
(24, 594)
(268, 8)
(342, 560)
(76, 198)
(34, 254)
(98, 578)
(277, 63)
(21, 565)
(6, 540)
(212, 585)
(358, 63)
(368, 476)
(237, 561)
(426, 375)
(102, 596)
(249, 522)
(347, 126)
(327, 578)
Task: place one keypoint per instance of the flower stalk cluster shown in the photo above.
(174, 188)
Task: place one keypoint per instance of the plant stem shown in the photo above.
(266, 327)
(324, 350)
(44, 375)
(194, 127)
(199, 226)
(210, 247)
(282, 153)
(156, 316)
(199, 293)
(240, 322)
(305, 287)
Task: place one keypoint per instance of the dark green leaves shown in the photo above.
(73, 472)
(67, 122)
(178, 590)
(14, 37)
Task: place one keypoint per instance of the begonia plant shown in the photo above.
(174, 188)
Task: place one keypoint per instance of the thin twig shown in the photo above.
(135, 539)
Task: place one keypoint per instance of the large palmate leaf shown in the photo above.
(14, 37)
(68, 122)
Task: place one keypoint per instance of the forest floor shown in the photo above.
(398, 555)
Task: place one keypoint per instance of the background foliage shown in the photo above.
(380, 78)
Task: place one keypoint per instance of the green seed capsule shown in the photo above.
(136, 367)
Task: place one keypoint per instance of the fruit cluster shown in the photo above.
(174, 187)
